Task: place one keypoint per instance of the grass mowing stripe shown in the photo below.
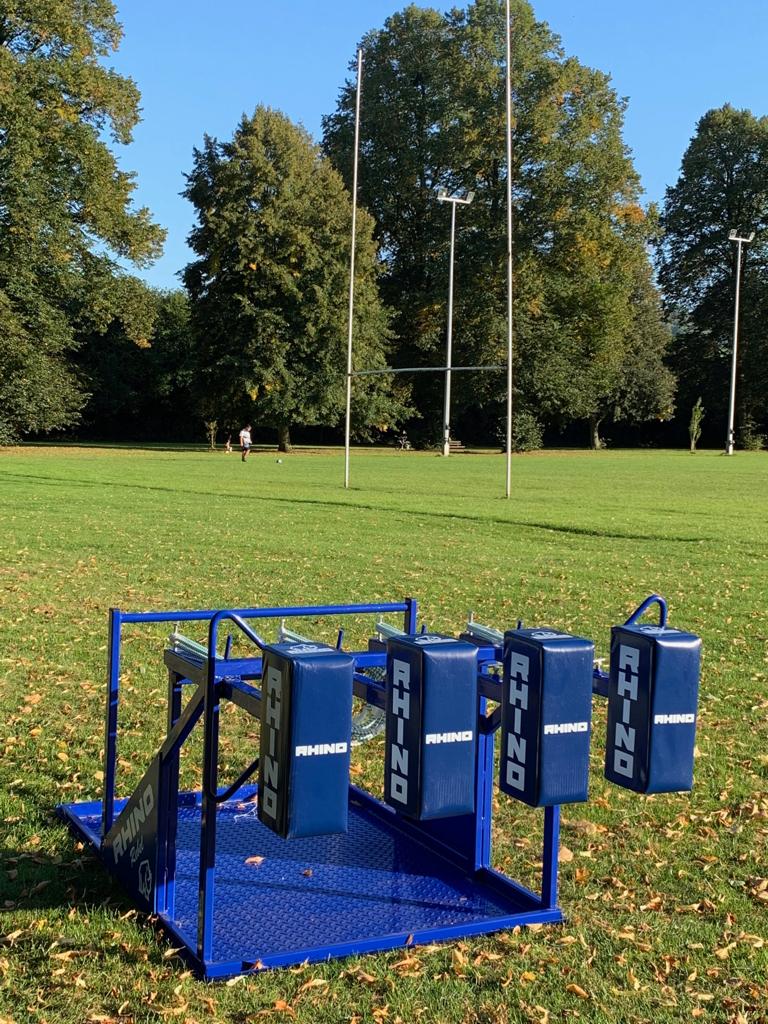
(342, 503)
(666, 914)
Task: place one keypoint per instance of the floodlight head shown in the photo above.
(442, 194)
(734, 236)
(470, 197)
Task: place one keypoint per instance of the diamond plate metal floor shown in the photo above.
(295, 898)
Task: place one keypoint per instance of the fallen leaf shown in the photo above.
(458, 959)
(367, 979)
(725, 952)
(577, 990)
(313, 983)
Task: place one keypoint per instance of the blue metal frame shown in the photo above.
(459, 847)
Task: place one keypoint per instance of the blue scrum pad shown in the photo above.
(431, 726)
(652, 699)
(546, 716)
(306, 715)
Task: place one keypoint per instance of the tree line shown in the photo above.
(623, 313)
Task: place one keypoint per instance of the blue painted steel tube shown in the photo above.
(483, 791)
(274, 613)
(208, 811)
(188, 719)
(550, 855)
(117, 618)
(211, 703)
(169, 776)
(411, 610)
(110, 728)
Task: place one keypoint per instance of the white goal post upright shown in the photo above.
(352, 268)
(508, 34)
(434, 369)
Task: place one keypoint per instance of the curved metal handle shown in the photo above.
(210, 742)
(643, 608)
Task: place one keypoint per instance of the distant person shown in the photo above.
(245, 442)
(228, 445)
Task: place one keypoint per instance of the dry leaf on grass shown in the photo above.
(577, 990)
(313, 983)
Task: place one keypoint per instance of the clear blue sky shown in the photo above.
(200, 65)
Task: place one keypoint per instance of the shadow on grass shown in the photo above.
(36, 880)
(578, 531)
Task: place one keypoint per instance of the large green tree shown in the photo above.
(434, 116)
(269, 289)
(141, 380)
(723, 185)
(65, 206)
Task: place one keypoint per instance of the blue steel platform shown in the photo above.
(237, 898)
(373, 888)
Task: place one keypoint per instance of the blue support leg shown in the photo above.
(551, 851)
(483, 792)
(411, 615)
(205, 906)
(170, 797)
(110, 731)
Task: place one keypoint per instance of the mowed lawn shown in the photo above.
(666, 897)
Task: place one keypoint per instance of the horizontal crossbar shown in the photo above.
(424, 369)
(265, 613)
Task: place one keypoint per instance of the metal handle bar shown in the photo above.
(210, 756)
(642, 608)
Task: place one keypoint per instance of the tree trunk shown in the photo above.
(211, 427)
(284, 438)
(594, 434)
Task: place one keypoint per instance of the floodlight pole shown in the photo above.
(454, 200)
(508, 32)
(735, 237)
(352, 270)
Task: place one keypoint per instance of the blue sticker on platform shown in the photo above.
(546, 716)
(652, 706)
(431, 726)
(306, 716)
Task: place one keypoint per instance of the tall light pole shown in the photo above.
(455, 200)
(352, 268)
(739, 240)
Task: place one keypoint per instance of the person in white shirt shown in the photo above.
(245, 442)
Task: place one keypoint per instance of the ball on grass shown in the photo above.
(279, 462)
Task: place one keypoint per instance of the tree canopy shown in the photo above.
(433, 103)
(261, 333)
(269, 289)
(723, 186)
(65, 206)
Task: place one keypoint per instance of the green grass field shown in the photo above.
(666, 897)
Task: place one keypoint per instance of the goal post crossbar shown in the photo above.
(425, 369)
(436, 369)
